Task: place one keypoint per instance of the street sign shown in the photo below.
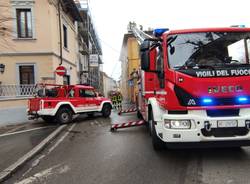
(93, 60)
(61, 70)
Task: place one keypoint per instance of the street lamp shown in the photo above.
(2, 67)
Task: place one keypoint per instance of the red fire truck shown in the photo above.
(60, 102)
(195, 86)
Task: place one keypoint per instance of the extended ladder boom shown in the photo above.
(139, 34)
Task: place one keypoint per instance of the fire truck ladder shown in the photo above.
(138, 33)
(140, 36)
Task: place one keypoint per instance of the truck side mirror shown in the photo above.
(145, 45)
(172, 49)
(145, 57)
(145, 61)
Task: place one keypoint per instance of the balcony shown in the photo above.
(17, 91)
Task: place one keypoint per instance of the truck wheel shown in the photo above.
(150, 123)
(158, 144)
(64, 115)
(48, 119)
(106, 110)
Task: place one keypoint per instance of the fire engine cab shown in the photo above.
(195, 86)
(60, 102)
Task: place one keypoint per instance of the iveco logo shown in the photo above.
(191, 102)
(225, 89)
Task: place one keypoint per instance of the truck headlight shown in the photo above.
(177, 124)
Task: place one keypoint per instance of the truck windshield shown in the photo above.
(208, 49)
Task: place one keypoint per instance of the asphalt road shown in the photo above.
(15, 144)
(87, 152)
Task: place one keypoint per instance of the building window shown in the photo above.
(24, 23)
(27, 74)
(65, 37)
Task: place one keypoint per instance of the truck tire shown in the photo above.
(48, 119)
(64, 116)
(150, 122)
(106, 110)
(139, 115)
(157, 143)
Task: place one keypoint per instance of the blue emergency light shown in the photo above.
(160, 31)
(207, 101)
(242, 99)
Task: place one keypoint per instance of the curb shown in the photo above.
(12, 168)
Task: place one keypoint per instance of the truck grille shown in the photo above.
(225, 132)
(184, 99)
(223, 112)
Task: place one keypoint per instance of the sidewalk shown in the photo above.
(13, 115)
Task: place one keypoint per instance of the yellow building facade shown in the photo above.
(130, 59)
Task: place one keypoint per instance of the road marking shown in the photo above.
(37, 161)
(12, 168)
(34, 163)
(15, 129)
(24, 131)
(43, 175)
(61, 139)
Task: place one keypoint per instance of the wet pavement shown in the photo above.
(87, 152)
(14, 144)
(11, 128)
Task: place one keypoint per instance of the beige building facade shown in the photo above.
(109, 84)
(34, 47)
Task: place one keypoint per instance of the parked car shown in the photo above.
(60, 102)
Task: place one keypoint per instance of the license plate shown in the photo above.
(227, 123)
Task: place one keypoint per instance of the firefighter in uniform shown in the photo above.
(119, 100)
(114, 100)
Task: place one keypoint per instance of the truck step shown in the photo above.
(114, 127)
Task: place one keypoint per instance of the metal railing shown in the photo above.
(17, 91)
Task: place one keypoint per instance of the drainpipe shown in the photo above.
(88, 24)
(60, 30)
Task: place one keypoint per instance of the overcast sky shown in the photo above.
(111, 18)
